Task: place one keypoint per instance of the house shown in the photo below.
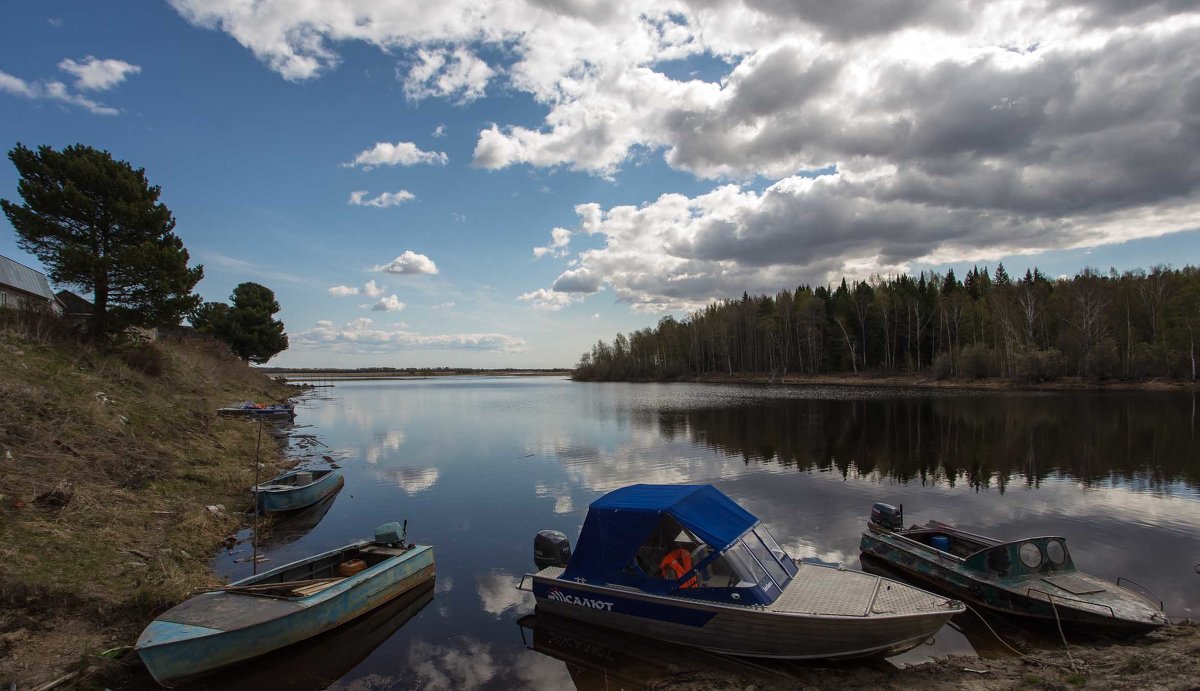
(76, 310)
(24, 288)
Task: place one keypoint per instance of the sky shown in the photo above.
(501, 183)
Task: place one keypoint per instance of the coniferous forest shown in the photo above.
(1138, 325)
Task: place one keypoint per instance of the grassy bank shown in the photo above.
(109, 461)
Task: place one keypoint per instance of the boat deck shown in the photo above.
(829, 591)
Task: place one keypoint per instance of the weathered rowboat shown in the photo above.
(283, 606)
(252, 409)
(1032, 577)
(297, 489)
(735, 592)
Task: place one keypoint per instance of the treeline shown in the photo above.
(1135, 325)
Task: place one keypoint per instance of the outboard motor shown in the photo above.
(551, 548)
(888, 516)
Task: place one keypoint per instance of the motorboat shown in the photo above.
(1031, 577)
(283, 606)
(687, 565)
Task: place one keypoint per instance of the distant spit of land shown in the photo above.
(301, 374)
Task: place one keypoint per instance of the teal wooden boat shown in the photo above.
(1033, 577)
(297, 490)
(286, 605)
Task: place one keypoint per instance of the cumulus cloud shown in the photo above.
(94, 74)
(390, 303)
(559, 239)
(408, 263)
(439, 131)
(382, 201)
(365, 336)
(546, 300)
(398, 154)
(370, 289)
(447, 73)
(51, 91)
(889, 132)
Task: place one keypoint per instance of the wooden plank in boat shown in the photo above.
(305, 591)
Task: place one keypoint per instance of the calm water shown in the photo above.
(478, 465)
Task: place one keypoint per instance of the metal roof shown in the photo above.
(24, 278)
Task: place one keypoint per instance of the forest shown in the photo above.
(1137, 325)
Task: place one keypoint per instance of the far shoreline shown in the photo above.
(922, 382)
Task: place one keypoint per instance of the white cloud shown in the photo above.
(51, 91)
(408, 263)
(559, 239)
(447, 73)
(370, 289)
(547, 300)
(443, 306)
(94, 74)
(943, 130)
(398, 154)
(364, 336)
(390, 303)
(440, 131)
(383, 200)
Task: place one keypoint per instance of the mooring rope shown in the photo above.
(1066, 646)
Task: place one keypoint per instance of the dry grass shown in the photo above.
(108, 461)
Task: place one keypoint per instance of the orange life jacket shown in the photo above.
(677, 563)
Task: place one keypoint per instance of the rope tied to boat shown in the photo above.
(1019, 654)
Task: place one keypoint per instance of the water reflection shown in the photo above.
(1145, 439)
(479, 465)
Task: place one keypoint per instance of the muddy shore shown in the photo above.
(1165, 659)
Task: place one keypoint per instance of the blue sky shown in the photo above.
(684, 153)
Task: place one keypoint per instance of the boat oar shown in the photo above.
(268, 586)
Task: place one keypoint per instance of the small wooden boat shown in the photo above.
(297, 489)
(283, 606)
(687, 565)
(252, 409)
(1032, 577)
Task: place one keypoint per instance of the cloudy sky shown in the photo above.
(502, 182)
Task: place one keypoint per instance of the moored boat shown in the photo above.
(252, 409)
(297, 489)
(687, 565)
(1031, 577)
(282, 606)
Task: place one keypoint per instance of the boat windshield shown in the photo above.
(744, 569)
(786, 561)
(764, 556)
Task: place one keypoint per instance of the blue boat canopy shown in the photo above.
(618, 523)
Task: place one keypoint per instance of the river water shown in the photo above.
(478, 465)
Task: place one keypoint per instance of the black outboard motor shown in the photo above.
(888, 516)
(551, 548)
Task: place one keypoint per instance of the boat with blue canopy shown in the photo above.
(686, 564)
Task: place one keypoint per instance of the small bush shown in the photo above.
(1034, 366)
(943, 366)
(146, 358)
(976, 362)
